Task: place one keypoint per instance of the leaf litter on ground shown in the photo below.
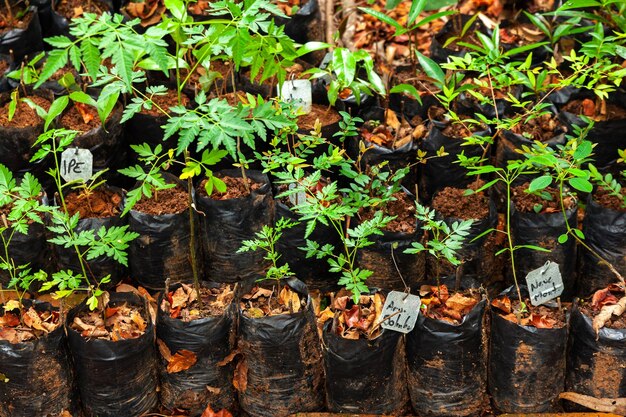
(438, 304)
(263, 302)
(353, 321)
(19, 324)
(608, 305)
(111, 322)
(541, 317)
(183, 303)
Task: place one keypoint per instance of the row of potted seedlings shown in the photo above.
(194, 373)
(177, 230)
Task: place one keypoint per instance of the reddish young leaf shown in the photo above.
(352, 316)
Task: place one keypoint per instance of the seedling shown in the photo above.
(88, 244)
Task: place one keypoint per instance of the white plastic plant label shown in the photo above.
(299, 93)
(296, 198)
(76, 164)
(545, 283)
(400, 312)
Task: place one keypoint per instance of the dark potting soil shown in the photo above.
(589, 108)
(24, 115)
(235, 188)
(236, 97)
(165, 101)
(262, 302)
(606, 200)
(404, 210)
(183, 303)
(520, 34)
(542, 128)
(81, 117)
(198, 7)
(76, 8)
(326, 115)
(539, 6)
(452, 202)
(99, 204)
(170, 201)
(526, 202)
(4, 66)
(6, 24)
(453, 129)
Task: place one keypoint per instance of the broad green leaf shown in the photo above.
(540, 183)
(581, 184)
(56, 108)
(431, 68)
(382, 17)
(417, 7)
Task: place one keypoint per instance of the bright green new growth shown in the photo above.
(266, 240)
(111, 241)
(24, 198)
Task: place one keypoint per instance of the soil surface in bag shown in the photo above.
(604, 227)
(21, 37)
(20, 133)
(193, 340)
(450, 137)
(35, 369)
(387, 137)
(280, 372)
(229, 219)
(478, 255)
(162, 249)
(114, 357)
(104, 143)
(539, 222)
(607, 131)
(596, 361)
(100, 208)
(386, 255)
(365, 365)
(526, 370)
(446, 353)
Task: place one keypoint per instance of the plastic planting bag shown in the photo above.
(207, 382)
(446, 365)
(365, 376)
(596, 364)
(526, 370)
(115, 378)
(37, 375)
(605, 233)
(225, 224)
(281, 362)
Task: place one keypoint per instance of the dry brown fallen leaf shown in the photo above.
(208, 412)
(607, 312)
(240, 377)
(181, 361)
(289, 299)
